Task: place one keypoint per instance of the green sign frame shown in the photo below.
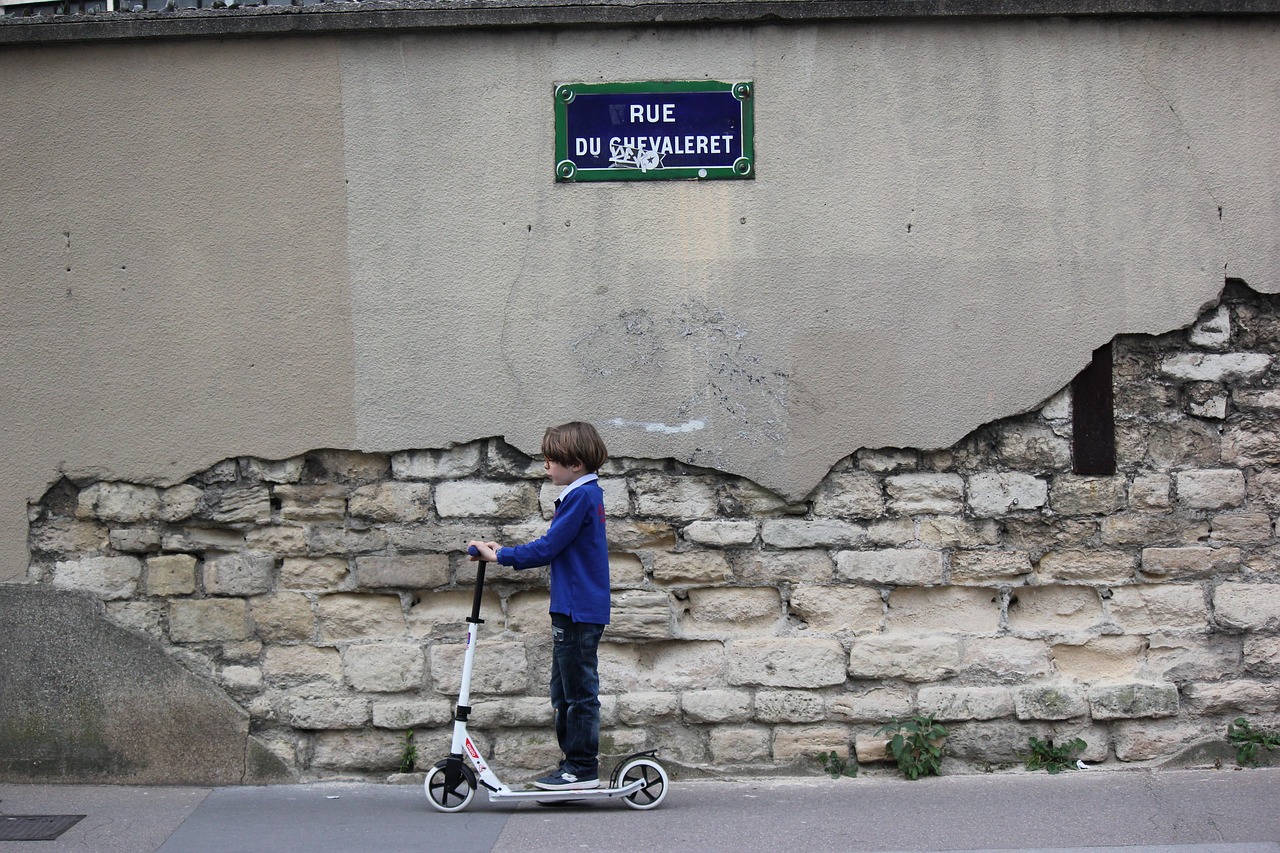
(728, 108)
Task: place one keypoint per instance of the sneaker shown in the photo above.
(567, 780)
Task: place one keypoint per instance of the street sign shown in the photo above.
(672, 130)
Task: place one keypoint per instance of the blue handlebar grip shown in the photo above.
(473, 551)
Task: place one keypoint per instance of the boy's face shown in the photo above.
(563, 475)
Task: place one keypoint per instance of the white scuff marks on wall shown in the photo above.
(665, 429)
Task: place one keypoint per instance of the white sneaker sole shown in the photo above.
(585, 785)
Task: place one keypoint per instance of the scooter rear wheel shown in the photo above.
(654, 777)
(442, 797)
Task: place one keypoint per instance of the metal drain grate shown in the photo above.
(36, 827)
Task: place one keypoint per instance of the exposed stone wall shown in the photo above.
(985, 584)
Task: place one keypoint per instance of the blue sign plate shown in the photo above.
(681, 130)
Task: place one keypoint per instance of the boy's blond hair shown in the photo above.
(575, 443)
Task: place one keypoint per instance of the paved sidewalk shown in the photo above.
(1170, 811)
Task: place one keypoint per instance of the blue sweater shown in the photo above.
(576, 549)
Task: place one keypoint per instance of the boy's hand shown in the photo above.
(486, 551)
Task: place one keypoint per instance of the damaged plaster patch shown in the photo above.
(665, 429)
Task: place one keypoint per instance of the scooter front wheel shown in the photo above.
(655, 783)
(446, 799)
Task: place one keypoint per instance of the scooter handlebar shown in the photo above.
(475, 604)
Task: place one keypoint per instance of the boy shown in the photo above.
(577, 552)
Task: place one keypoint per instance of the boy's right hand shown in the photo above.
(483, 551)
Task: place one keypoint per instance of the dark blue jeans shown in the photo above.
(575, 691)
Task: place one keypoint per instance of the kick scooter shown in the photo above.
(450, 785)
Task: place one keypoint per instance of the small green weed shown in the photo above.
(837, 766)
(1246, 739)
(1046, 756)
(409, 754)
(917, 744)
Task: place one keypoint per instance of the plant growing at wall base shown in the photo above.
(917, 744)
(409, 754)
(1047, 756)
(837, 766)
(1246, 739)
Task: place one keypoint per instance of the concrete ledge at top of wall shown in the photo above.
(375, 15)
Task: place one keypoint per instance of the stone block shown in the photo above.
(891, 566)
(669, 667)
(854, 494)
(412, 713)
(135, 540)
(1005, 660)
(451, 463)
(287, 666)
(1261, 656)
(682, 498)
(348, 466)
(641, 615)
(739, 745)
(716, 706)
(871, 706)
(965, 703)
(243, 506)
(312, 573)
(691, 567)
(305, 503)
(910, 658)
(1244, 696)
(1145, 608)
(1129, 701)
(1263, 489)
(1247, 607)
(179, 503)
(327, 713)
(1189, 562)
(993, 494)
(109, 578)
(404, 571)
(626, 571)
(484, 499)
(969, 610)
(786, 662)
(384, 667)
(631, 535)
(241, 679)
(720, 534)
(1093, 566)
(513, 711)
(989, 567)
(282, 540)
(831, 609)
(502, 669)
(282, 616)
(892, 532)
(1268, 401)
(643, 708)
(1217, 488)
(1151, 739)
(1216, 367)
(1040, 610)
(886, 460)
(789, 706)
(1140, 529)
(743, 498)
(809, 533)
(796, 742)
(353, 616)
(1251, 442)
(171, 574)
(956, 532)
(208, 620)
(523, 749)
(393, 501)
(731, 611)
(145, 616)
(1182, 658)
(925, 494)
(871, 748)
(1246, 528)
(1032, 445)
(323, 540)
(124, 503)
(1098, 659)
(244, 573)
(1212, 330)
(1072, 494)
(527, 613)
(1050, 701)
(274, 471)
(1151, 491)
(783, 566)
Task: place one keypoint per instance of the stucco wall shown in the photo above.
(218, 248)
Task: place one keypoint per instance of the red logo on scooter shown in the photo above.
(471, 749)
